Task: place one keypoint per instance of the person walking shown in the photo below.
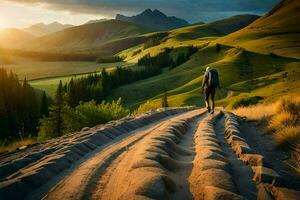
(209, 85)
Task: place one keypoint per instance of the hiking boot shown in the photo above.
(212, 112)
(208, 109)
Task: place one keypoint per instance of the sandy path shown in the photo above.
(74, 186)
(241, 173)
(181, 177)
(265, 145)
(191, 155)
(95, 174)
(115, 176)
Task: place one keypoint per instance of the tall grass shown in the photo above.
(148, 106)
(257, 112)
(10, 146)
(286, 123)
(283, 123)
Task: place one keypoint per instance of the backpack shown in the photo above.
(213, 80)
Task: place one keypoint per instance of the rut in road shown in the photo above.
(176, 166)
(241, 173)
(103, 168)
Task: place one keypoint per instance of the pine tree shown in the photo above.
(72, 96)
(58, 107)
(164, 100)
(105, 82)
(30, 109)
(44, 109)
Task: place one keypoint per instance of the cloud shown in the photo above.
(192, 10)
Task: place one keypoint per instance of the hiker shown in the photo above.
(209, 84)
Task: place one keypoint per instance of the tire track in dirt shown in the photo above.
(241, 173)
(134, 160)
(80, 184)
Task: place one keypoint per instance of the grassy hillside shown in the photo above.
(88, 36)
(197, 35)
(13, 37)
(256, 62)
(277, 32)
(235, 66)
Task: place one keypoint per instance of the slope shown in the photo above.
(196, 35)
(248, 60)
(86, 37)
(277, 32)
(11, 37)
(183, 83)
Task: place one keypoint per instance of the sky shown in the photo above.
(22, 13)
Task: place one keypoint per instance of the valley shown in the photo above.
(114, 107)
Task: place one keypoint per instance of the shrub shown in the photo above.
(218, 47)
(136, 52)
(286, 123)
(246, 101)
(148, 106)
(273, 55)
(280, 121)
(111, 59)
(155, 40)
(86, 114)
(288, 136)
(291, 105)
(164, 58)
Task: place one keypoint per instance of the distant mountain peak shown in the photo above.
(41, 28)
(154, 19)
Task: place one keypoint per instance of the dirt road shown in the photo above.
(174, 154)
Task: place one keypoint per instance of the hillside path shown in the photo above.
(175, 154)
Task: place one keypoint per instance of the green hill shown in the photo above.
(89, 37)
(259, 60)
(277, 32)
(196, 35)
(235, 66)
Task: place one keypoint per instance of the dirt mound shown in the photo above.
(211, 175)
(270, 184)
(155, 159)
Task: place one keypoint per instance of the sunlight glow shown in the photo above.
(10, 15)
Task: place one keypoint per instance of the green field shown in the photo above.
(39, 69)
(50, 84)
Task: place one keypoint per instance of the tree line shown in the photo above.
(97, 86)
(20, 107)
(165, 59)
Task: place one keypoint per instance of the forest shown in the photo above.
(21, 107)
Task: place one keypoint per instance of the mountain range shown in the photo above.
(41, 29)
(155, 20)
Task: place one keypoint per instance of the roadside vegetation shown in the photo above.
(282, 120)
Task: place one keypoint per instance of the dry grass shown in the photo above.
(16, 144)
(288, 136)
(284, 124)
(257, 112)
(148, 106)
(295, 160)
